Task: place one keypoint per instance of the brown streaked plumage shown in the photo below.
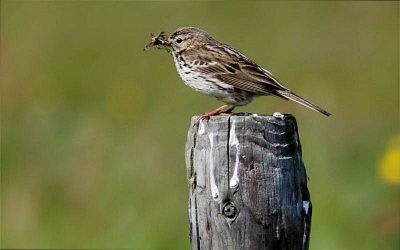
(221, 71)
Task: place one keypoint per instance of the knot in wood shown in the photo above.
(229, 210)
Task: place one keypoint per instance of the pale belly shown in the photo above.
(212, 87)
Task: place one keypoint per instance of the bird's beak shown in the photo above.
(168, 43)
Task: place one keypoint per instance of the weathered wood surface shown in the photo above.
(248, 184)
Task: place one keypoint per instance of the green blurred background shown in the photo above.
(93, 129)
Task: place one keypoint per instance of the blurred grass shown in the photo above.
(93, 129)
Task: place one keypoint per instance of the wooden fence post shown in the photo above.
(248, 184)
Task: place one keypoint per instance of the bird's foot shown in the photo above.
(206, 116)
(212, 113)
(228, 114)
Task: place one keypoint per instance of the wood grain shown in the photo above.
(248, 184)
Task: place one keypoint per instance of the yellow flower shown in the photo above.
(389, 168)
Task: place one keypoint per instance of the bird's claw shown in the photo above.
(204, 116)
(212, 113)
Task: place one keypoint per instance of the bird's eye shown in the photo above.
(179, 40)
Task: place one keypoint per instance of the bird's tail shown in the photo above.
(292, 96)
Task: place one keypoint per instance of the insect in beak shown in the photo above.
(161, 42)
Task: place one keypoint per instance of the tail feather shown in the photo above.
(292, 96)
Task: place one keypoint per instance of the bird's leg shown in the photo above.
(212, 113)
(229, 111)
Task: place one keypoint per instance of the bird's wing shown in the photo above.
(232, 67)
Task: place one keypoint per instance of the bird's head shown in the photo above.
(186, 38)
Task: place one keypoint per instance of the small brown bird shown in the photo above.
(220, 71)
